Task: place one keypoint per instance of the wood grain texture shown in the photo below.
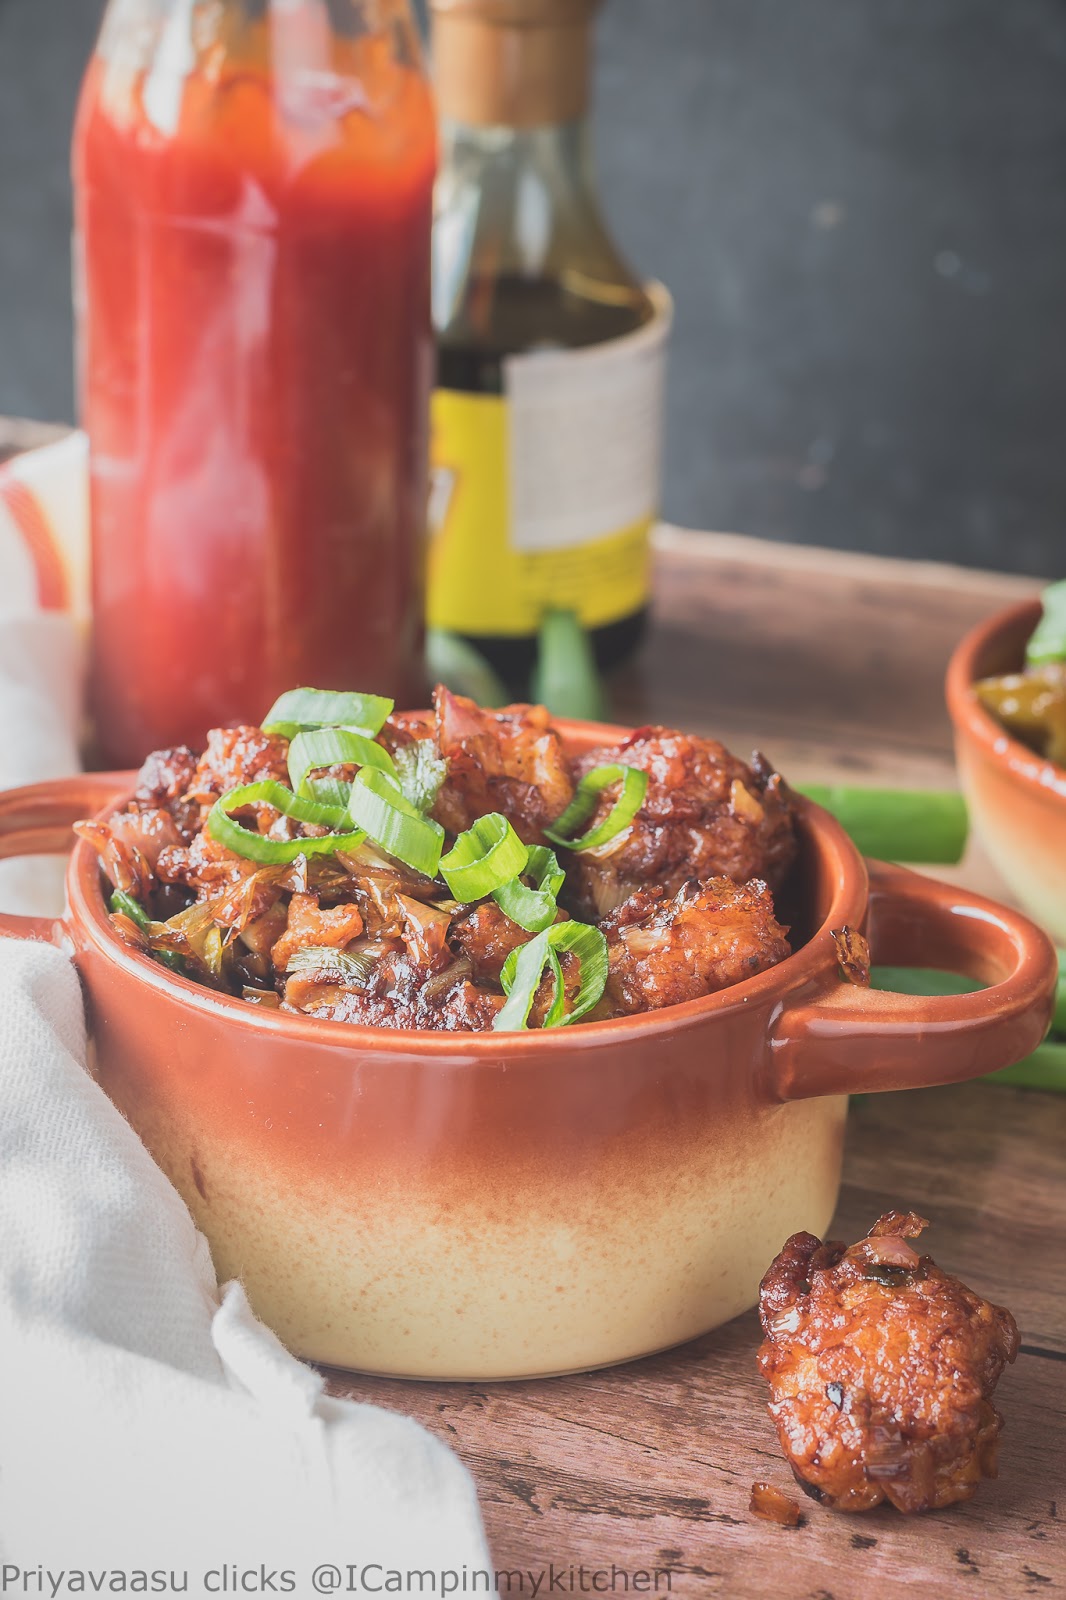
(834, 664)
(651, 1465)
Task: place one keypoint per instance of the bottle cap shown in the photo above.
(513, 63)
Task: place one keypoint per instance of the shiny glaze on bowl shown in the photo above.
(1017, 799)
(508, 1205)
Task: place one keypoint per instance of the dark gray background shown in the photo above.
(860, 206)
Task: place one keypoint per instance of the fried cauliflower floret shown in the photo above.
(486, 937)
(163, 785)
(881, 1370)
(510, 761)
(236, 756)
(704, 938)
(309, 926)
(705, 815)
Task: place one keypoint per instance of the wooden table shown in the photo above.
(833, 664)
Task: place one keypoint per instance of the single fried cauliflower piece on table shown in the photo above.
(881, 1370)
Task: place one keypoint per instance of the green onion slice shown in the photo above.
(421, 771)
(524, 967)
(484, 858)
(330, 747)
(634, 783)
(1048, 639)
(916, 825)
(329, 792)
(378, 806)
(255, 846)
(127, 906)
(300, 710)
(533, 908)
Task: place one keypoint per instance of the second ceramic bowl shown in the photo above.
(1017, 799)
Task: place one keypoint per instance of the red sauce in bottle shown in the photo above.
(256, 360)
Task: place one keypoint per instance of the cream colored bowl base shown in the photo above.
(511, 1281)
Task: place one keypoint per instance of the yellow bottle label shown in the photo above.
(544, 497)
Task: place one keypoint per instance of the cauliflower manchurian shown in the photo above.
(705, 815)
(881, 1370)
(681, 897)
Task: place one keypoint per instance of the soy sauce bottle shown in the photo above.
(547, 416)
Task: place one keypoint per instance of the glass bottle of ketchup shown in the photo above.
(253, 187)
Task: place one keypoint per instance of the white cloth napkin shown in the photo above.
(148, 1422)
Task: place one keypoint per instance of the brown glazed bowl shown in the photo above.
(1016, 798)
(511, 1205)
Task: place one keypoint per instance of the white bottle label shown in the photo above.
(585, 436)
(543, 497)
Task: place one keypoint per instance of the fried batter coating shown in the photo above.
(236, 756)
(773, 1505)
(705, 815)
(881, 1370)
(707, 936)
(163, 784)
(486, 937)
(309, 926)
(511, 761)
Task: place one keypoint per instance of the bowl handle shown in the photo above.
(854, 1040)
(36, 821)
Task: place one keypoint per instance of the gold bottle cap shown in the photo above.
(516, 63)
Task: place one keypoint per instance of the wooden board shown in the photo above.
(651, 1465)
(834, 664)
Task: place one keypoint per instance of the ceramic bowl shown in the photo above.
(507, 1205)
(1017, 799)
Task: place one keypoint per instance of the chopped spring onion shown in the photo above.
(524, 967)
(1047, 642)
(917, 825)
(521, 975)
(565, 678)
(533, 908)
(333, 747)
(484, 858)
(329, 792)
(634, 787)
(379, 807)
(354, 966)
(255, 846)
(299, 710)
(421, 772)
(125, 905)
